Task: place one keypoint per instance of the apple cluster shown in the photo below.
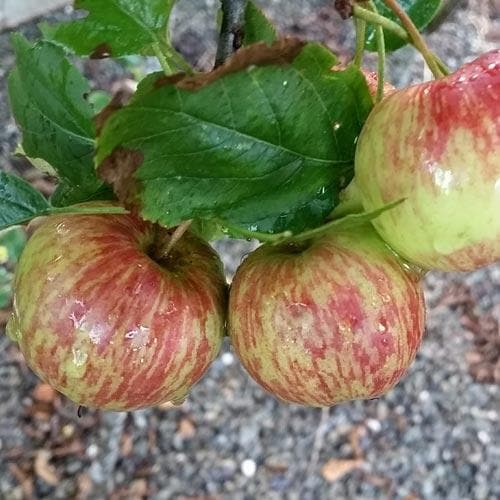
(114, 317)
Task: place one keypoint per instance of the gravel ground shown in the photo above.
(436, 435)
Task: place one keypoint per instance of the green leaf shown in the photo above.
(267, 148)
(422, 12)
(257, 27)
(19, 202)
(114, 27)
(5, 287)
(209, 230)
(38, 163)
(345, 223)
(65, 194)
(47, 96)
(12, 241)
(99, 99)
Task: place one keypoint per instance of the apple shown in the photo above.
(437, 144)
(332, 319)
(371, 78)
(102, 315)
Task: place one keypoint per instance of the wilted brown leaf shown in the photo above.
(335, 469)
(283, 51)
(118, 170)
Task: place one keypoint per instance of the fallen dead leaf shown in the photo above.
(127, 444)
(43, 469)
(186, 428)
(44, 393)
(74, 448)
(335, 469)
(24, 480)
(355, 436)
(138, 489)
(85, 487)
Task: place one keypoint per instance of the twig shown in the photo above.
(416, 38)
(377, 19)
(369, 16)
(360, 41)
(165, 66)
(232, 29)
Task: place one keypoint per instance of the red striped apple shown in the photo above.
(108, 321)
(437, 144)
(334, 319)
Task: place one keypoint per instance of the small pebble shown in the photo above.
(227, 359)
(248, 468)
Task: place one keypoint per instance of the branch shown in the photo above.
(232, 29)
(415, 36)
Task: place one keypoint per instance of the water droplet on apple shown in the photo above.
(170, 308)
(61, 228)
(285, 83)
(139, 337)
(381, 328)
(336, 126)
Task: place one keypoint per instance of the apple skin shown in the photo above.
(437, 144)
(102, 322)
(371, 78)
(337, 320)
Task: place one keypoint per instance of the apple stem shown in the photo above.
(379, 20)
(360, 41)
(165, 66)
(380, 38)
(176, 236)
(390, 25)
(255, 235)
(416, 38)
(167, 58)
